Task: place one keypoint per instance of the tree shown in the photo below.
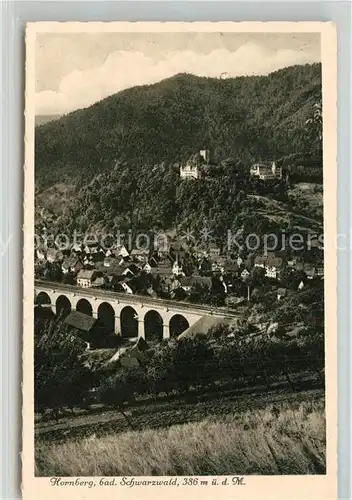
(292, 278)
(118, 389)
(68, 278)
(178, 365)
(60, 376)
(199, 294)
(52, 272)
(257, 276)
(192, 360)
(315, 121)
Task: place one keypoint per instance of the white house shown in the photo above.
(85, 278)
(272, 271)
(189, 172)
(147, 268)
(177, 269)
(77, 248)
(192, 167)
(161, 244)
(265, 172)
(122, 251)
(272, 264)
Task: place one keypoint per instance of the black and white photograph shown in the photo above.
(178, 255)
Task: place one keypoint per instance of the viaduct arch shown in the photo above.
(106, 315)
(63, 306)
(153, 326)
(84, 306)
(122, 314)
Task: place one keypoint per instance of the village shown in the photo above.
(176, 271)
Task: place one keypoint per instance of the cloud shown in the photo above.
(124, 69)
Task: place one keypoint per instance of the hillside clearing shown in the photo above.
(281, 213)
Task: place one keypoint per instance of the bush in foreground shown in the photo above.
(277, 440)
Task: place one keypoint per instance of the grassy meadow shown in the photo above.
(280, 439)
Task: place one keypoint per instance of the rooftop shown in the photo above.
(80, 321)
(86, 274)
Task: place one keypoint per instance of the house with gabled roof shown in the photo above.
(131, 270)
(85, 277)
(177, 268)
(191, 170)
(72, 264)
(77, 248)
(140, 254)
(231, 268)
(54, 255)
(310, 271)
(98, 282)
(272, 264)
(128, 285)
(151, 266)
(164, 269)
(80, 321)
(213, 251)
(121, 251)
(319, 270)
(266, 172)
(190, 282)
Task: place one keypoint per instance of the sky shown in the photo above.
(74, 70)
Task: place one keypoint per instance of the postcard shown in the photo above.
(180, 269)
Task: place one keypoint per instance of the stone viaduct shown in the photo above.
(125, 314)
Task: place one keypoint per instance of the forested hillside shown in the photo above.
(249, 118)
(119, 159)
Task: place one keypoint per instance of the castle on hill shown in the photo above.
(191, 170)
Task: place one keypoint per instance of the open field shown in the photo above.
(309, 198)
(281, 212)
(281, 438)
